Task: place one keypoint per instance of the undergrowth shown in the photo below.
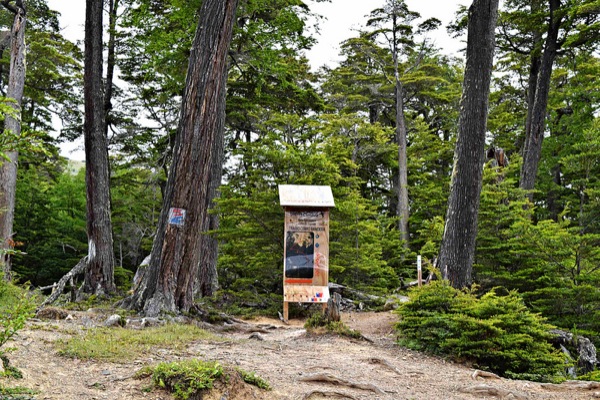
(317, 321)
(495, 332)
(121, 345)
(189, 378)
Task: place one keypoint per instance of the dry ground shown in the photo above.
(285, 355)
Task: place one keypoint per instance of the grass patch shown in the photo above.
(318, 323)
(188, 379)
(119, 344)
(15, 392)
(252, 379)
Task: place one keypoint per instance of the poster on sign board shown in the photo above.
(306, 247)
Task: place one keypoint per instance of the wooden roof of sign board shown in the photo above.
(305, 196)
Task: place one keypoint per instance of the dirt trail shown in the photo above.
(285, 355)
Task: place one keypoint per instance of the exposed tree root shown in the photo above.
(385, 363)
(337, 395)
(334, 380)
(484, 374)
(60, 286)
(571, 385)
(487, 390)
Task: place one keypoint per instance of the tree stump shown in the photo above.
(332, 312)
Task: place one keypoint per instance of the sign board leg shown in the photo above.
(285, 311)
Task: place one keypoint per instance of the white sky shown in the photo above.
(343, 18)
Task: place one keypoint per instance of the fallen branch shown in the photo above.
(484, 374)
(60, 286)
(340, 395)
(41, 289)
(327, 378)
(385, 363)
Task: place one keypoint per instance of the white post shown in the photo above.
(419, 272)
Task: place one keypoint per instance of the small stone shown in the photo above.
(113, 320)
(69, 318)
(106, 372)
(256, 336)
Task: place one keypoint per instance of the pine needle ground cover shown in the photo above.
(495, 332)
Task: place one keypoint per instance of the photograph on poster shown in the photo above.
(299, 255)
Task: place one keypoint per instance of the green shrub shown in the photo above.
(495, 332)
(252, 379)
(186, 378)
(318, 320)
(15, 308)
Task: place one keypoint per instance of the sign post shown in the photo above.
(306, 246)
(419, 271)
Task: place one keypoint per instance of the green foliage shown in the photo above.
(49, 221)
(17, 393)
(317, 322)
(16, 307)
(190, 378)
(186, 378)
(253, 379)
(496, 331)
(592, 376)
(121, 345)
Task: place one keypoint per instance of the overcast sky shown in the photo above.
(342, 19)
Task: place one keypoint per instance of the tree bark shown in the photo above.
(536, 121)
(402, 206)
(168, 284)
(207, 279)
(99, 275)
(458, 243)
(113, 6)
(12, 123)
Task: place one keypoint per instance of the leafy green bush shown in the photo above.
(252, 379)
(15, 308)
(186, 378)
(495, 332)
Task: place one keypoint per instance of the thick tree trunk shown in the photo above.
(99, 276)
(458, 243)
(207, 281)
(168, 284)
(8, 168)
(532, 150)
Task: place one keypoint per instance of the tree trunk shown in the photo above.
(402, 206)
(207, 280)
(99, 275)
(12, 123)
(532, 150)
(113, 6)
(458, 243)
(168, 284)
